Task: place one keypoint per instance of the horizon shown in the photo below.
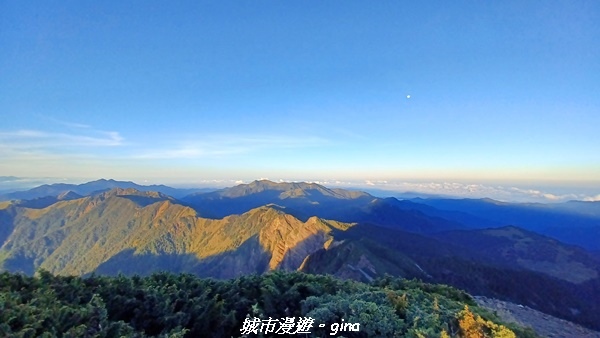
(462, 98)
(400, 189)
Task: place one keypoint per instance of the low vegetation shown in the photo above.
(183, 305)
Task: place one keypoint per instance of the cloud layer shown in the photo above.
(463, 190)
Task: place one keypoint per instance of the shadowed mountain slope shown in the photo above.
(515, 247)
(573, 222)
(304, 200)
(367, 251)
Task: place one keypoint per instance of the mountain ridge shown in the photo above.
(75, 237)
(570, 222)
(90, 188)
(124, 230)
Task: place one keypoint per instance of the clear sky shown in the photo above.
(394, 91)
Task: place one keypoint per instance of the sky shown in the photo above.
(385, 94)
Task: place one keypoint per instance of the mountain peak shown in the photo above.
(288, 190)
(68, 195)
(262, 182)
(304, 199)
(133, 193)
(267, 212)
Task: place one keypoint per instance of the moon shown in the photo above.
(408, 96)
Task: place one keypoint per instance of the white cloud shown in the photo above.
(462, 190)
(223, 145)
(31, 152)
(64, 123)
(36, 139)
(592, 198)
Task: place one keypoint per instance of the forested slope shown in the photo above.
(168, 305)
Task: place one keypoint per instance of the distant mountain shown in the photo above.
(392, 213)
(571, 222)
(283, 227)
(584, 208)
(243, 197)
(312, 191)
(42, 202)
(85, 189)
(515, 247)
(304, 200)
(465, 219)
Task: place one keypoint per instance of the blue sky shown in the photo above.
(352, 91)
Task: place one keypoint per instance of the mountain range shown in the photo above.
(89, 188)
(507, 251)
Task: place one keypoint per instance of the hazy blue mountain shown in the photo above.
(42, 202)
(584, 208)
(465, 219)
(571, 222)
(400, 195)
(515, 247)
(85, 189)
(392, 213)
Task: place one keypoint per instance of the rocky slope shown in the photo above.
(543, 324)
